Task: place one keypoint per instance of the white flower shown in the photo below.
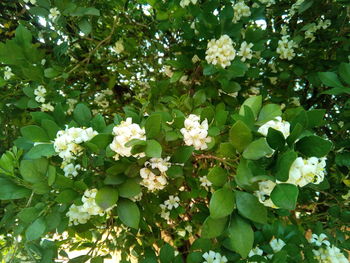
(245, 51)
(76, 215)
(277, 244)
(286, 48)
(319, 240)
(54, 13)
(118, 46)
(159, 163)
(220, 52)
(40, 93)
(47, 107)
(329, 254)
(124, 132)
(8, 73)
(255, 251)
(151, 181)
(195, 59)
(305, 171)
(240, 10)
(277, 124)
(71, 103)
(89, 204)
(189, 229)
(209, 256)
(205, 182)
(184, 3)
(264, 192)
(172, 202)
(70, 169)
(219, 258)
(196, 133)
(181, 233)
(165, 214)
(33, 2)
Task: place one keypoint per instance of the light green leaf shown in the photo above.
(254, 103)
(240, 135)
(213, 227)
(106, 197)
(330, 79)
(153, 149)
(82, 114)
(36, 229)
(153, 125)
(250, 207)
(221, 203)
(34, 133)
(257, 149)
(269, 112)
(218, 176)
(128, 213)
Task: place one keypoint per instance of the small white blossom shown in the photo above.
(54, 13)
(8, 73)
(118, 46)
(159, 163)
(277, 124)
(184, 3)
(245, 51)
(40, 93)
(264, 192)
(240, 10)
(71, 169)
(286, 48)
(220, 52)
(329, 254)
(47, 107)
(196, 133)
(33, 2)
(205, 182)
(172, 202)
(151, 181)
(277, 244)
(319, 240)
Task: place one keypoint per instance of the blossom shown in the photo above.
(286, 48)
(267, 2)
(184, 3)
(47, 107)
(305, 171)
(329, 254)
(264, 192)
(245, 51)
(165, 214)
(220, 52)
(33, 2)
(319, 240)
(151, 181)
(159, 163)
(277, 124)
(213, 257)
(172, 202)
(205, 182)
(40, 93)
(125, 132)
(195, 59)
(8, 73)
(77, 216)
(71, 169)
(240, 10)
(118, 46)
(71, 104)
(277, 244)
(54, 13)
(196, 133)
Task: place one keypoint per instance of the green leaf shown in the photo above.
(285, 196)
(50, 127)
(269, 112)
(28, 214)
(153, 125)
(67, 196)
(275, 139)
(23, 36)
(102, 140)
(10, 190)
(129, 188)
(36, 229)
(166, 254)
(254, 103)
(34, 171)
(257, 149)
(98, 123)
(240, 135)
(213, 227)
(218, 176)
(106, 197)
(250, 207)
(344, 72)
(243, 175)
(283, 165)
(82, 114)
(199, 97)
(85, 26)
(153, 149)
(314, 146)
(34, 133)
(182, 154)
(40, 150)
(128, 213)
(330, 79)
(221, 203)
(315, 117)
(241, 236)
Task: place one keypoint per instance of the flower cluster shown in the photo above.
(71, 105)
(118, 46)
(196, 133)
(213, 257)
(172, 202)
(326, 253)
(101, 98)
(312, 28)
(286, 48)
(184, 3)
(245, 51)
(67, 142)
(152, 181)
(267, 2)
(124, 132)
(277, 124)
(8, 73)
(220, 52)
(82, 213)
(305, 171)
(240, 10)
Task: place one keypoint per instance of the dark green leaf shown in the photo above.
(221, 203)
(250, 207)
(285, 196)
